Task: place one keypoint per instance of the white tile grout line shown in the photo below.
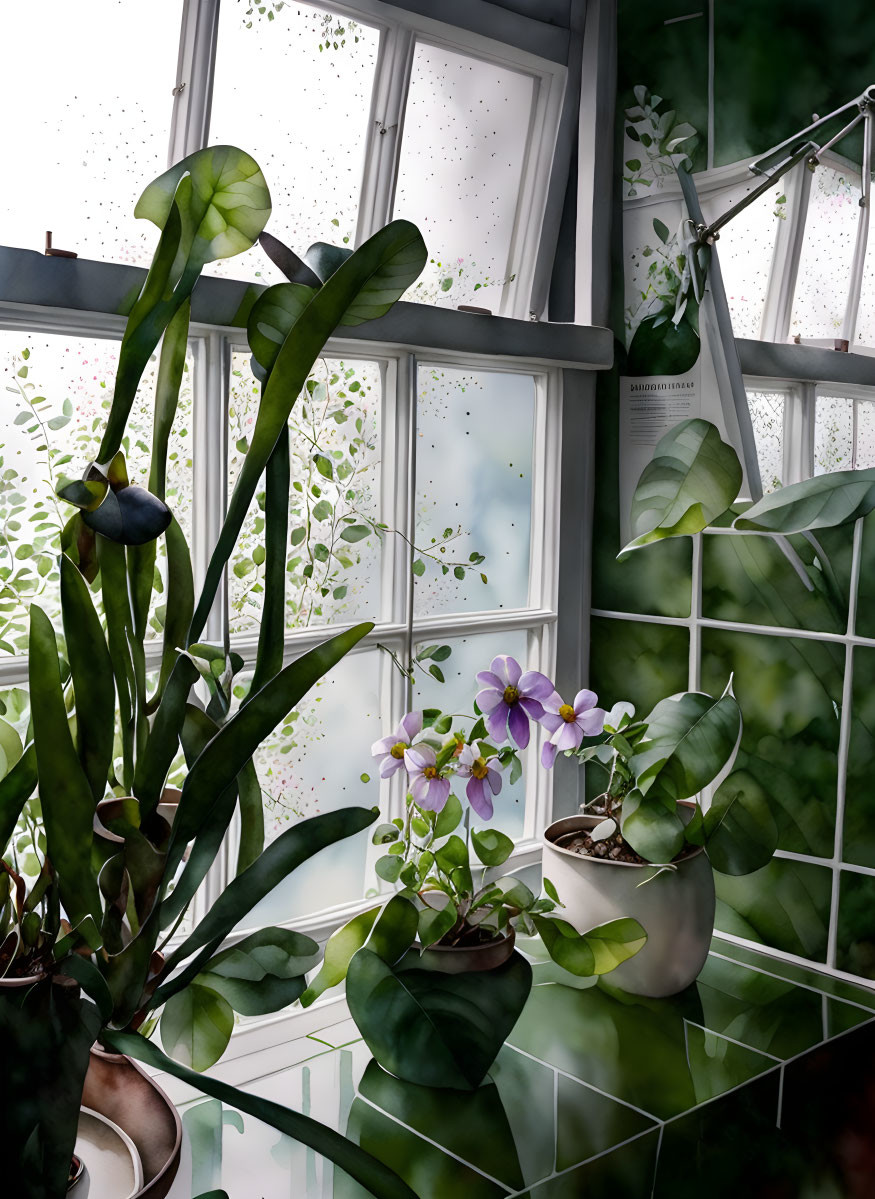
(533, 1186)
(794, 982)
(656, 1159)
(555, 1118)
(584, 1083)
(780, 1110)
(732, 1041)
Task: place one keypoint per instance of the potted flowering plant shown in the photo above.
(433, 980)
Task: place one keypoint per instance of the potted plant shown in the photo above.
(433, 980)
(87, 956)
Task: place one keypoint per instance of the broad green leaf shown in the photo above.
(595, 952)
(196, 1026)
(692, 479)
(65, 795)
(663, 348)
(454, 853)
(324, 259)
(514, 892)
(491, 846)
(347, 297)
(653, 830)
(819, 503)
(690, 739)
(339, 948)
(376, 1178)
(740, 830)
(448, 818)
(394, 931)
(294, 268)
(384, 834)
(223, 200)
(10, 746)
(281, 857)
(86, 494)
(262, 973)
(388, 868)
(272, 317)
(91, 670)
(435, 922)
(443, 1029)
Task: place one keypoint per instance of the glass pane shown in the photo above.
(745, 251)
(456, 695)
(859, 831)
(460, 170)
(833, 434)
(58, 392)
(313, 763)
(856, 933)
(785, 905)
(475, 432)
(295, 92)
(825, 262)
(92, 103)
(637, 661)
(865, 440)
(767, 417)
(334, 554)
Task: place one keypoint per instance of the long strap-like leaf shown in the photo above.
(251, 817)
(66, 798)
(236, 742)
(117, 610)
(171, 368)
(301, 348)
(269, 659)
(15, 790)
(281, 857)
(91, 669)
(163, 743)
(360, 1165)
(180, 599)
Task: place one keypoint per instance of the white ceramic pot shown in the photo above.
(676, 909)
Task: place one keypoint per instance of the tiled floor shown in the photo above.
(756, 1081)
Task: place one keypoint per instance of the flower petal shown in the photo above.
(419, 790)
(488, 678)
(532, 707)
(548, 754)
(494, 779)
(508, 669)
(410, 725)
(568, 738)
(583, 701)
(536, 685)
(417, 758)
(496, 723)
(518, 726)
(389, 765)
(383, 746)
(592, 722)
(438, 793)
(479, 798)
(489, 699)
(553, 702)
(551, 721)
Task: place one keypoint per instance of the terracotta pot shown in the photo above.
(461, 959)
(676, 909)
(119, 1089)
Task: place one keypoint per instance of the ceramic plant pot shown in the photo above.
(117, 1089)
(438, 1017)
(676, 909)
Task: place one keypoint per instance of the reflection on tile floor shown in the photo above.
(757, 1077)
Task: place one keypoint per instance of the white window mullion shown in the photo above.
(389, 100)
(785, 261)
(189, 129)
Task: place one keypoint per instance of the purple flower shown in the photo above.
(568, 724)
(484, 781)
(390, 750)
(427, 785)
(510, 698)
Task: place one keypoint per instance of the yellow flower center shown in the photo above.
(511, 695)
(567, 713)
(430, 772)
(397, 750)
(480, 769)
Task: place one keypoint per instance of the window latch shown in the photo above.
(178, 90)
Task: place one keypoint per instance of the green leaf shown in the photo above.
(394, 931)
(262, 973)
(448, 817)
(442, 1029)
(322, 510)
(418, 567)
(65, 794)
(653, 831)
(180, 598)
(324, 466)
(223, 200)
(389, 868)
(171, 367)
(271, 632)
(659, 347)
(384, 834)
(659, 227)
(740, 830)
(271, 317)
(550, 889)
(292, 847)
(196, 1026)
(251, 817)
(339, 948)
(441, 653)
(435, 922)
(377, 1179)
(598, 951)
(355, 533)
(513, 892)
(491, 846)
(324, 259)
(689, 739)
(453, 853)
(91, 671)
(294, 268)
(132, 516)
(819, 503)
(692, 479)
(16, 789)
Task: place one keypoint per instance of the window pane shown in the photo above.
(58, 393)
(295, 92)
(825, 262)
(470, 655)
(745, 251)
(91, 94)
(334, 555)
(767, 417)
(475, 432)
(460, 170)
(833, 434)
(312, 763)
(865, 455)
